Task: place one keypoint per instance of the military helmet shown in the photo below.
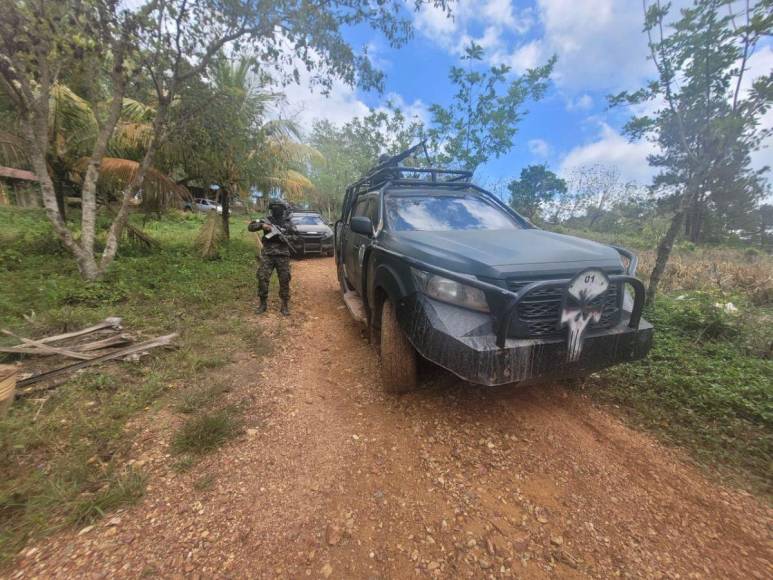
(278, 208)
(278, 203)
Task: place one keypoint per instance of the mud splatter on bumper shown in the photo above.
(464, 342)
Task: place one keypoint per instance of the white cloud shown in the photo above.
(539, 147)
(416, 110)
(599, 43)
(305, 103)
(612, 149)
(582, 103)
(527, 56)
(435, 23)
(497, 19)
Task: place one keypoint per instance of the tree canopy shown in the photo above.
(536, 187)
(702, 121)
(483, 117)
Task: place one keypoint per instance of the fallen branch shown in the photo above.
(116, 340)
(112, 322)
(159, 341)
(47, 348)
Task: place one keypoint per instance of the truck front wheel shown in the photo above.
(398, 357)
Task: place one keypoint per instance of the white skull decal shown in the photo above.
(578, 311)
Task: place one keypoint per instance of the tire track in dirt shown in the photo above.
(333, 478)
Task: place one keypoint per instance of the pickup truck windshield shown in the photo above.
(307, 220)
(445, 213)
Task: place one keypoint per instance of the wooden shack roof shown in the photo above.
(21, 174)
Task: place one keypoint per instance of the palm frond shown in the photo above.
(293, 184)
(72, 123)
(134, 130)
(130, 139)
(133, 111)
(281, 128)
(12, 151)
(158, 190)
(140, 237)
(210, 237)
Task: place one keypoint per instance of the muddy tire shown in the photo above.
(398, 357)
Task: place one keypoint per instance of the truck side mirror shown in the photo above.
(362, 225)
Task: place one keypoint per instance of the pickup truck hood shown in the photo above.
(503, 253)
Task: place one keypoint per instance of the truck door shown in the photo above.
(355, 244)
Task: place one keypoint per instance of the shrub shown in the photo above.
(205, 432)
(99, 293)
(704, 315)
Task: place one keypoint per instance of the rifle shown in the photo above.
(276, 232)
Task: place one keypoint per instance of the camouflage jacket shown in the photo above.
(273, 245)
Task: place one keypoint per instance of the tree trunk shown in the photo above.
(60, 201)
(225, 202)
(116, 228)
(664, 252)
(89, 187)
(35, 128)
(693, 222)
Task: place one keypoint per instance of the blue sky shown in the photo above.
(601, 50)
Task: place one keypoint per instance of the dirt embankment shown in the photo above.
(332, 478)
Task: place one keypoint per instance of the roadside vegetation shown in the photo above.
(120, 127)
(707, 385)
(63, 453)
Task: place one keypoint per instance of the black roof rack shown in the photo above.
(390, 170)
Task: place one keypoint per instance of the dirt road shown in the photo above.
(332, 478)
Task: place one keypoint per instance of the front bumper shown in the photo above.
(316, 245)
(466, 343)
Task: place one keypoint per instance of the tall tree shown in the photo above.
(237, 147)
(482, 120)
(704, 123)
(171, 43)
(348, 151)
(537, 185)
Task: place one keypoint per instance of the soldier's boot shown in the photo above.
(262, 306)
(285, 309)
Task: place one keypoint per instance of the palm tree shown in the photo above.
(238, 148)
(73, 128)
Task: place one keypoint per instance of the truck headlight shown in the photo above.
(450, 291)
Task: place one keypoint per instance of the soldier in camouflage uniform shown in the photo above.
(275, 253)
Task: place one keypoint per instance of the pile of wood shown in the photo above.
(89, 346)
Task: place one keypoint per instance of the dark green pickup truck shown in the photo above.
(439, 267)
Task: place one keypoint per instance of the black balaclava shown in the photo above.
(277, 211)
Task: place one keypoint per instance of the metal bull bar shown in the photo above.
(515, 298)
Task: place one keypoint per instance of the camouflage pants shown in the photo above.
(282, 265)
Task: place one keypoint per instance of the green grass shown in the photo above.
(706, 386)
(205, 432)
(119, 490)
(63, 457)
(199, 397)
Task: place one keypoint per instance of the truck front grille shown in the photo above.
(539, 313)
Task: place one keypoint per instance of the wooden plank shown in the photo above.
(48, 348)
(116, 340)
(159, 341)
(113, 322)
